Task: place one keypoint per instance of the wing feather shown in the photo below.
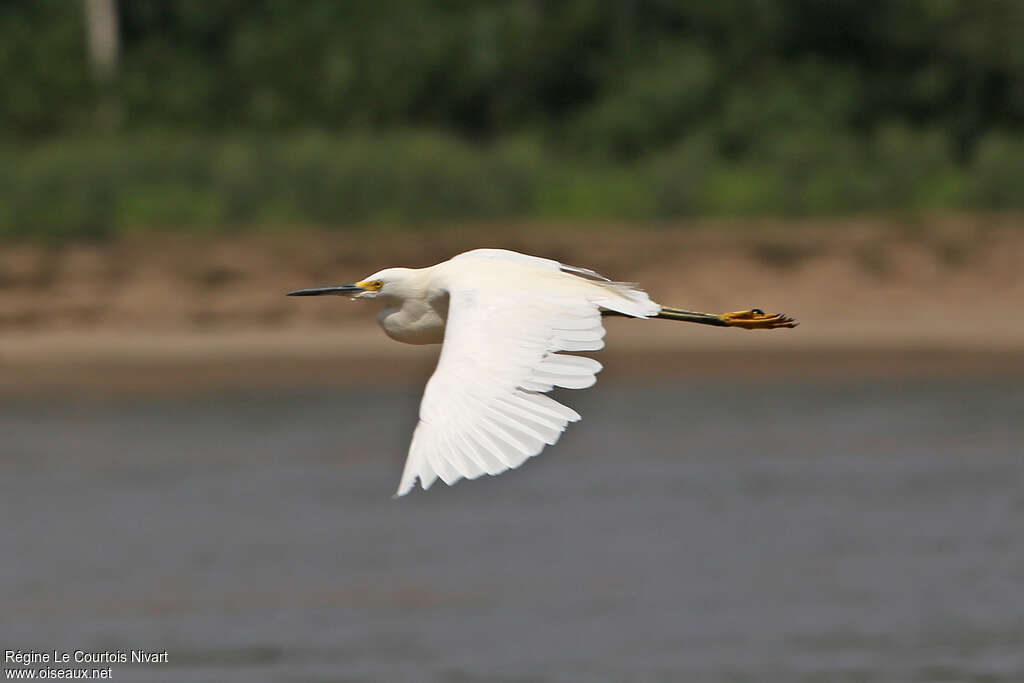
(483, 410)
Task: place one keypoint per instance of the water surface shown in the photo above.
(753, 532)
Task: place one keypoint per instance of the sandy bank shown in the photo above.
(910, 298)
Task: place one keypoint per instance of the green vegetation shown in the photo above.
(227, 114)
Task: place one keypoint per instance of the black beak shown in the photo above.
(339, 290)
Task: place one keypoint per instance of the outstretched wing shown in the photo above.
(484, 409)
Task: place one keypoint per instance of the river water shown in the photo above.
(770, 531)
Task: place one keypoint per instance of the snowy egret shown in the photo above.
(503, 317)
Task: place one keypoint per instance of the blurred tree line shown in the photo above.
(230, 111)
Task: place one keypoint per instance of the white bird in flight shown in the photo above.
(504, 317)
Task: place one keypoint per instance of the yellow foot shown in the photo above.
(756, 319)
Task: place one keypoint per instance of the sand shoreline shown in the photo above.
(923, 297)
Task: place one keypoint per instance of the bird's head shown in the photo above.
(393, 283)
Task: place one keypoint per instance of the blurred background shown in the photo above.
(191, 462)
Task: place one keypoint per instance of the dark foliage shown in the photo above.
(696, 106)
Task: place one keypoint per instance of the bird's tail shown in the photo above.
(624, 298)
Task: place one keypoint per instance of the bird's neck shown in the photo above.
(413, 322)
(414, 314)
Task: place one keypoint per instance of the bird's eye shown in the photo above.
(377, 284)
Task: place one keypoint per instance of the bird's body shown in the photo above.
(416, 313)
(504, 318)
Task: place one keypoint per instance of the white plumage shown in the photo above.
(484, 410)
(506, 320)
